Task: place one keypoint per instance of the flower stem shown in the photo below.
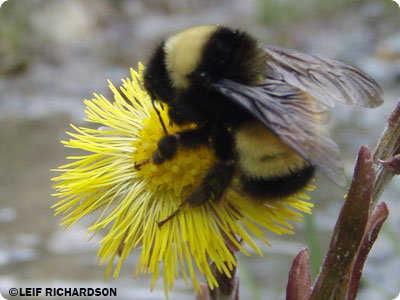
(228, 286)
(387, 150)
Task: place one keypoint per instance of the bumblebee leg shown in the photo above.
(219, 176)
(213, 185)
(168, 145)
(138, 166)
(166, 149)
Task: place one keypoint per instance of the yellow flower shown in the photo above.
(132, 201)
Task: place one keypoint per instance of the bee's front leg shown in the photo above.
(166, 149)
(191, 138)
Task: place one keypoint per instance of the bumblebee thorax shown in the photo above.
(184, 53)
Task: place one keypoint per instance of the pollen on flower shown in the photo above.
(130, 200)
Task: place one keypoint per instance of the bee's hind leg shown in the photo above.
(213, 185)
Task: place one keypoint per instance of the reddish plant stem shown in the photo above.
(333, 281)
(388, 148)
(374, 225)
(299, 284)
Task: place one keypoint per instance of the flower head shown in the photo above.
(132, 200)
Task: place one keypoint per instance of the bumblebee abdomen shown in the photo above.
(267, 166)
(278, 187)
(261, 154)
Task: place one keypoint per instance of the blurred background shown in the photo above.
(54, 54)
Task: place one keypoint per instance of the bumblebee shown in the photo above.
(262, 109)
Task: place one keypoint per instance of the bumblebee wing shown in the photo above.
(294, 117)
(325, 80)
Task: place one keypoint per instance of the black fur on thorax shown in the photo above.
(230, 54)
(156, 79)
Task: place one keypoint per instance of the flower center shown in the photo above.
(181, 173)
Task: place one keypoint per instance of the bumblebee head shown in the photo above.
(204, 54)
(182, 70)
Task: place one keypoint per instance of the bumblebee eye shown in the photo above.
(202, 77)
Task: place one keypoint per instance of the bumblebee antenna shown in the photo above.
(159, 116)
